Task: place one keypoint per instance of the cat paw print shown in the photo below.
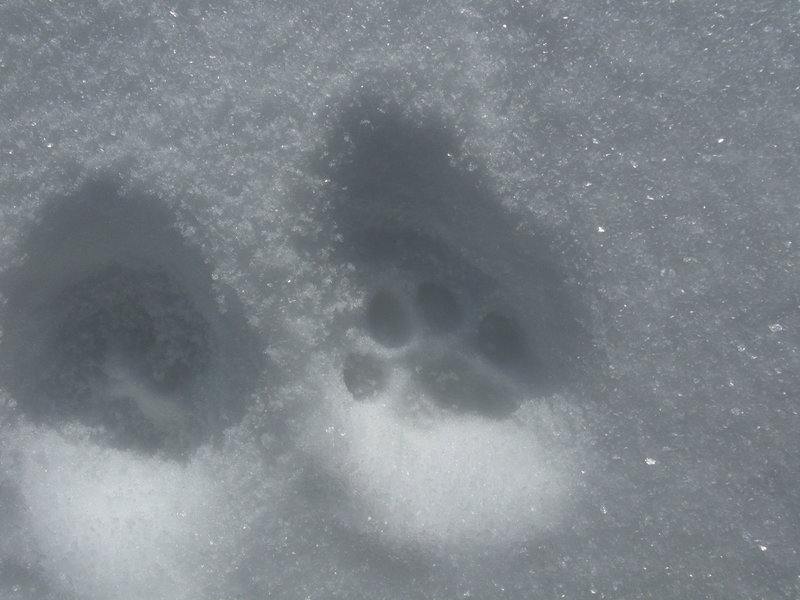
(464, 359)
(446, 355)
(476, 309)
(113, 323)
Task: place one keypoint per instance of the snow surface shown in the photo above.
(413, 300)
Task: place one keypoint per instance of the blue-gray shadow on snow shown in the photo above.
(113, 321)
(439, 259)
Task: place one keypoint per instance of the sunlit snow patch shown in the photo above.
(109, 524)
(450, 480)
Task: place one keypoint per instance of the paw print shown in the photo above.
(115, 327)
(452, 363)
(462, 355)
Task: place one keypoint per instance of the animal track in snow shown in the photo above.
(112, 323)
(462, 374)
(463, 361)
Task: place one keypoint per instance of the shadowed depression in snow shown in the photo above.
(112, 323)
(409, 218)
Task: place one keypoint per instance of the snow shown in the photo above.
(487, 299)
